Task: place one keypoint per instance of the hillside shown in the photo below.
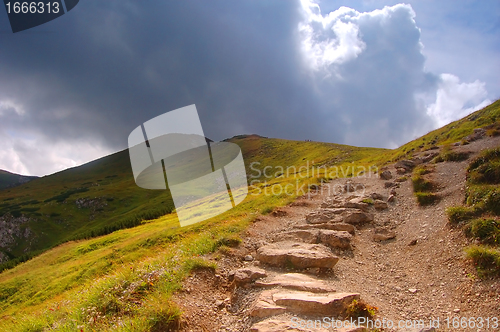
(8, 179)
(130, 280)
(101, 196)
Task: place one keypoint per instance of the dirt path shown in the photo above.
(420, 274)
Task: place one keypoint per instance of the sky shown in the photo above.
(366, 73)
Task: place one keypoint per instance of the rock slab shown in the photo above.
(298, 255)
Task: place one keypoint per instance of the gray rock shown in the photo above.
(264, 305)
(376, 196)
(248, 274)
(408, 165)
(380, 205)
(401, 170)
(386, 175)
(389, 184)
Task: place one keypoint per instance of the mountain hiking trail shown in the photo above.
(363, 239)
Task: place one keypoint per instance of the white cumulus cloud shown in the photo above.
(455, 100)
(331, 39)
(369, 72)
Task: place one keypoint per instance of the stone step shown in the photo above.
(279, 325)
(324, 216)
(356, 203)
(335, 239)
(338, 215)
(297, 281)
(264, 306)
(334, 227)
(306, 303)
(298, 255)
(302, 235)
(357, 217)
(276, 301)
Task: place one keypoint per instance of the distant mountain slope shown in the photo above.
(101, 196)
(8, 179)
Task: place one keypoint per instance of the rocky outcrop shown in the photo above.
(12, 230)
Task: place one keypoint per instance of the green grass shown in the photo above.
(487, 260)
(422, 187)
(449, 155)
(424, 199)
(484, 197)
(485, 169)
(359, 308)
(485, 230)
(477, 219)
(421, 184)
(458, 214)
(422, 170)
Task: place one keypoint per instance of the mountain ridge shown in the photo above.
(9, 179)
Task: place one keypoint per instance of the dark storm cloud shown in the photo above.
(73, 89)
(111, 65)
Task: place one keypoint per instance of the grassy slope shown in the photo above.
(82, 284)
(108, 179)
(451, 133)
(57, 275)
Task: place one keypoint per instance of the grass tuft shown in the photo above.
(359, 308)
(424, 199)
(485, 169)
(458, 214)
(485, 230)
(487, 260)
(447, 154)
(421, 185)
